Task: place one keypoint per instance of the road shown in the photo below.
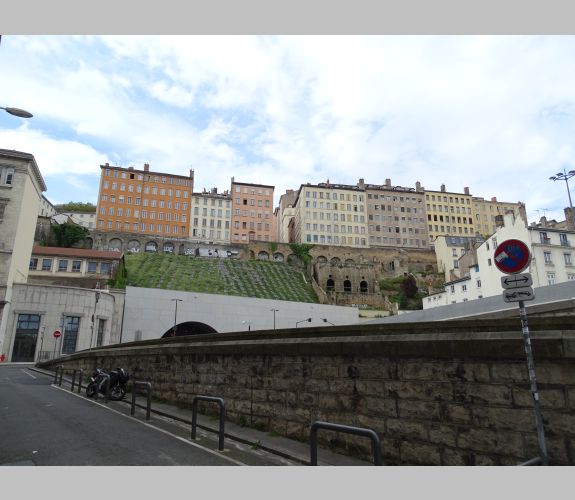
(44, 425)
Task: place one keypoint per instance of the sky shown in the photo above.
(492, 113)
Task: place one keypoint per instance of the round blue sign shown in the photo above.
(512, 256)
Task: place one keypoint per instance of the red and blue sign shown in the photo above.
(512, 256)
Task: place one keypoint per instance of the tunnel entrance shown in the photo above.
(189, 328)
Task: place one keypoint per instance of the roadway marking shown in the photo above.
(29, 374)
(237, 462)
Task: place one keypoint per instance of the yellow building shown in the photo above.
(486, 211)
(449, 214)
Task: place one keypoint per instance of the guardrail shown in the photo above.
(81, 372)
(533, 461)
(148, 387)
(222, 408)
(358, 431)
(60, 370)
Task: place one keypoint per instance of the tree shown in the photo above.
(76, 206)
(68, 234)
(409, 286)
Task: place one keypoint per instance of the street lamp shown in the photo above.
(97, 298)
(303, 321)
(565, 176)
(22, 113)
(249, 323)
(176, 315)
(326, 321)
(274, 311)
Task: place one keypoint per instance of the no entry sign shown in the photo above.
(512, 256)
(57, 333)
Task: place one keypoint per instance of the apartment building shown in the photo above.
(396, 215)
(284, 214)
(487, 214)
(46, 208)
(84, 219)
(331, 214)
(449, 250)
(448, 213)
(252, 212)
(211, 216)
(144, 202)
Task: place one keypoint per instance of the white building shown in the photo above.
(21, 187)
(85, 219)
(46, 208)
(448, 251)
(552, 248)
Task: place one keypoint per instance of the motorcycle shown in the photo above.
(118, 383)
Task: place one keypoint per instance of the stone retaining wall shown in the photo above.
(452, 393)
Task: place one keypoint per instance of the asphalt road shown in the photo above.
(45, 425)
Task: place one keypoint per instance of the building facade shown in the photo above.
(144, 202)
(486, 212)
(396, 215)
(21, 187)
(252, 212)
(331, 214)
(284, 215)
(449, 250)
(211, 217)
(84, 219)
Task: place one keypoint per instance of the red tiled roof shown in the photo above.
(76, 252)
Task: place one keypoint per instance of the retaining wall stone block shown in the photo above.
(423, 410)
(413, 452)
(549, 398)
(399, 428)
(491, 442)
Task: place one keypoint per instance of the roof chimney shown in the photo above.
(361, 184)
(466, 190)
(146, 167)
(418, 186)
(388, 183)
(443, 188)
(494, 199)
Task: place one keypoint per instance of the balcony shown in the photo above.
(565, 243)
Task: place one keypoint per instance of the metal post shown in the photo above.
(533, 381)
(148, 387)
(222, 407)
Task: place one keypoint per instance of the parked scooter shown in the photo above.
(118, 381)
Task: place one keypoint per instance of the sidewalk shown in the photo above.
(287, 448)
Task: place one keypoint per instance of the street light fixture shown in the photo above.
(22, 113)
(175, 316)
(274, 311)
(303, 321)
(249, 323)
(565, 176)
(326, 321)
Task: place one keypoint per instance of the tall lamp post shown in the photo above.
(175, 316)
(325, 320)
(565, 176)
(22, 113)
(303, 321)
(274, 311)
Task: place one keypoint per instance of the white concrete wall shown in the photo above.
(151, 312)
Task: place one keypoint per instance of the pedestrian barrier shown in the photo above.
(81, 372)
(59, 370)
(222, 408)
(107, 393)
(148, 387)
(358, 431)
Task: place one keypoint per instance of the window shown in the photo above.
(563, 240)
(92, 267)
(543, 238)
(547, 257)
(452, 288)
(567, 257)
(63, 265)
(105, 266)
(464, 288)
(550, 278)
(76, 266)
(478, 283)
(71, 328)
(9, 176)
(33, 264)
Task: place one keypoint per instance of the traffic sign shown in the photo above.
(512, 256)
(57, 333)
(516, 281)
(518, 294)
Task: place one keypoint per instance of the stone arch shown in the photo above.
(363, 286)
(115, 245)
(347, 285)
(134, 246)
(89, 242)
(330, 284)
(349, 262)
(181, 249)
(278, 257)
(189, 328)
(151, 246)
(168, 247)
(263, 255)
(321, 259)
(335, 261)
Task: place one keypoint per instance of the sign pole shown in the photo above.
(533, 381)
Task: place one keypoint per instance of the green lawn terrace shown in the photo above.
(245, 278)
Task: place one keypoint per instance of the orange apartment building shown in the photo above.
(252, 212)
(144, 202)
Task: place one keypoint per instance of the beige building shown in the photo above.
(21, 187)
(284, 214)
(485, 214)
(331, 214)
(46, 208)
(84, 219)
(252, 212)
(211, 216)
(396, 215)
(449, 250)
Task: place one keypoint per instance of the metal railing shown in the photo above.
(59, 370)
(222, 407)
(81, 372)
(533, 461)
(358, 431)
(107, 392)
(148, 387)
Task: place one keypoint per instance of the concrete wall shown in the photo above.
(437, 394)
(149, 313)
